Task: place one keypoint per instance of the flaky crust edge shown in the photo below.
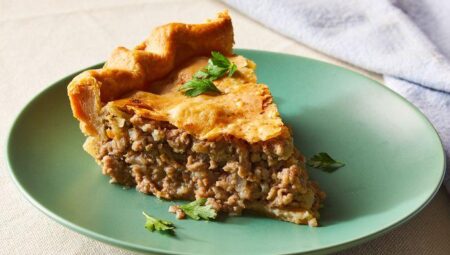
(167, 47)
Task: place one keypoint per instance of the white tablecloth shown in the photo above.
(42, 41)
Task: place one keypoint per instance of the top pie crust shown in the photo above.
(140, 81)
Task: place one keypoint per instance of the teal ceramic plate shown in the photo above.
(394, 158)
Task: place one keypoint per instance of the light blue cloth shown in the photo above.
(408, 41)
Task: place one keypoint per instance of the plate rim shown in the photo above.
(136, 247)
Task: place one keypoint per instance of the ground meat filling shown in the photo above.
(160, 159)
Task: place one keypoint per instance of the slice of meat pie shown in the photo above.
(163, 118)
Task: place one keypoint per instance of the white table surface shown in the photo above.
(43, 41)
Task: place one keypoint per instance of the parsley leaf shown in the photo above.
(153, 224)
(324, 162)
(219, 60)
(202, 74)
(233, 69)
(196, 87)
(218, 66)
(215, 72)
(198, 210)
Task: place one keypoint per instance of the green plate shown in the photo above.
(395, 164)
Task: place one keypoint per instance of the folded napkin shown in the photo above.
(408, 41)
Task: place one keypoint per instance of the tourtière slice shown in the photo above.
(231, 148)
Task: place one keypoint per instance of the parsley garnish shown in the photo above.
(153, 224)
(197, 86)
(202, 81)
(324, 162)
(233, 69)
(220, 62)
(198, 210)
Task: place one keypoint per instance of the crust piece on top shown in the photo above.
(126, 70)
(231, 148)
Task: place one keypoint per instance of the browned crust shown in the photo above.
(127, 70)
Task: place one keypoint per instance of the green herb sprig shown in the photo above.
(324, 162)
(202, 80)
(197, 210)
(153, 224)
(196, 87)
